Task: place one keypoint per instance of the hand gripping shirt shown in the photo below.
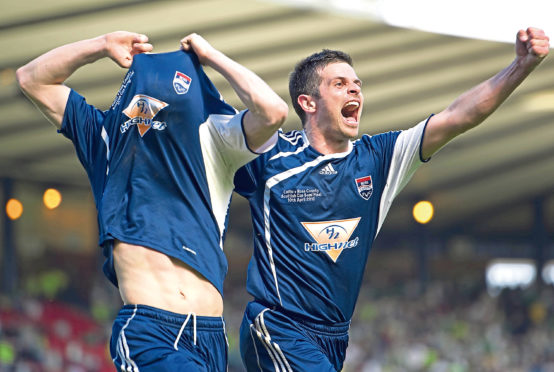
(161, 161)
(315, 218)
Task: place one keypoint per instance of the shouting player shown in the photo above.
(318, 200)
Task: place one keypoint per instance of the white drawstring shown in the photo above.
(183, 328)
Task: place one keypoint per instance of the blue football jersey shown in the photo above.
(316, 216)
(161, 161)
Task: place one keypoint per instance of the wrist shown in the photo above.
(213, 58)
(528, 62)
(95, 49)
(102, 45)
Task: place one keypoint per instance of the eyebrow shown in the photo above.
(357, 80)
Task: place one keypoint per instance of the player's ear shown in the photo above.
(307, 103)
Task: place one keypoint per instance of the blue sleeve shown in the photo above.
(250, 179)
(245, 179)
(82, 124)
(382, 144)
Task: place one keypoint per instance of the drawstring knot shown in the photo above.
(183, 328)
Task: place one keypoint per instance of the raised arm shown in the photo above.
(266, 110)
(42, 79)
(475, 105)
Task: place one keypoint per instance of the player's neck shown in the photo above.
(325, 143)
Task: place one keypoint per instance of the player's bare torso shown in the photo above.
(151, 278)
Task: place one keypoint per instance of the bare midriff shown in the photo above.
(148, 277)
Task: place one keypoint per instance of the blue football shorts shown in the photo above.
(147, 339)
(273, 341)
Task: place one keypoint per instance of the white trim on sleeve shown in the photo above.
(405, 161)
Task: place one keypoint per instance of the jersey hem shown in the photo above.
(421, 141)
(267, 146)
(111, 237)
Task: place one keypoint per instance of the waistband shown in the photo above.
(328, 328)
(335, 328)
(205, 323)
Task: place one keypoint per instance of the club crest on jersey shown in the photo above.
(331, 237)
(181, 83)
(141, 112)
(365, 187)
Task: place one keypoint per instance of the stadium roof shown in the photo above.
(486, 181)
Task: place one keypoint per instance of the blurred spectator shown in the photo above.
(455, 326)
(51, 337)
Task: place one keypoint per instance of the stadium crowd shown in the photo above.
(454, 326)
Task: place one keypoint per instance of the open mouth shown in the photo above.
(350, 111)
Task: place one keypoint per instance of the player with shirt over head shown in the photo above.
(318, 200)
(160, 162)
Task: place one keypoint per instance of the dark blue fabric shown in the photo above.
(276, 341)
(145, 164)
(293, 188)
(151, 339)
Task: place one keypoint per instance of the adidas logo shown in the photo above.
(328, 169)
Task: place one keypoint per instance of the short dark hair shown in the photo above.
(305, 78)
